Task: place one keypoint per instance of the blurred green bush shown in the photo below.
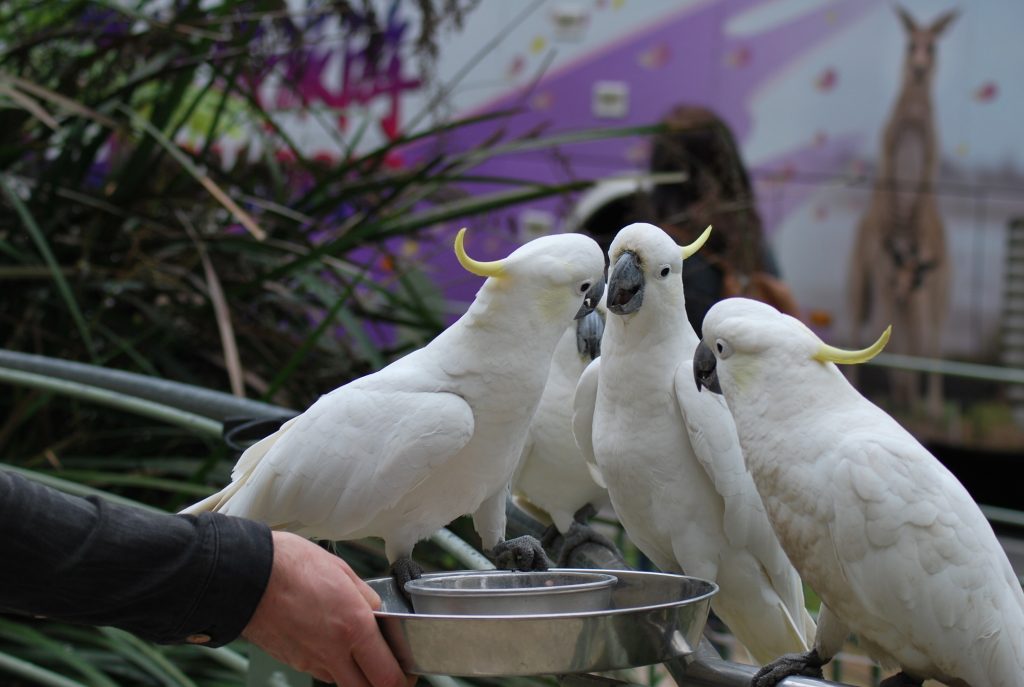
(131, 238)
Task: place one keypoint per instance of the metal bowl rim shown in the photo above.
(713, 589)
(596, 582)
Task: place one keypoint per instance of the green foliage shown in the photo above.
(130, 240)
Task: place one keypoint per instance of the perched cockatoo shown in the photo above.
(670, 457)
(552, 475)
(437, 434)
(895, 546)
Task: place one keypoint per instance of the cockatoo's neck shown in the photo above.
(654, 326)
(505, 318)
(789, 400)
(567, 361)
(497, 350)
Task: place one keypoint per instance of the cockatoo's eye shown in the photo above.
(724, 349)
(584, 287)
(665, 271)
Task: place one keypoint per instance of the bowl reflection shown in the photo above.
(504, 592)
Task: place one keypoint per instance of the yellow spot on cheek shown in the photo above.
(743, 373)
(551, 306)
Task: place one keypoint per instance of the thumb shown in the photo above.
(367, 592)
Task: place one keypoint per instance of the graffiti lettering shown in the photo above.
(372, 68)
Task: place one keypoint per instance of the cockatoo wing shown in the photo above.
(380, 442)
(918, 553)
(584, 402)
(716, 444)
(252, 455)
(524, 460)
(246, 463)
(519, 498)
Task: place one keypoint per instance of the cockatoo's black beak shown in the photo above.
(588, 334)
(626, 285)
(704, 372)
(591, 300)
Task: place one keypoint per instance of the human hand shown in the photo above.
(316, 615)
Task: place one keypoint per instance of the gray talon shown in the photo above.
(808, 665)
(521, 553)
(403, 570)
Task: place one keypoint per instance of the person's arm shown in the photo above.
(166, 578)
(203, 579)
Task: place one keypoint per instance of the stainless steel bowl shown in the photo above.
(507, 592)
(651, 618)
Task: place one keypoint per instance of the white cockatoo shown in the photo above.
(890, 540)
(670, 457)
(552, 475)
(437, 434)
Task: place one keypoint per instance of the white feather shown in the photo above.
(672, 462)
(437, 434)
(877, 526)
(552, 473)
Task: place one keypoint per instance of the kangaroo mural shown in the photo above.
(900, 270)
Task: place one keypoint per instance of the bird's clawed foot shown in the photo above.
(808, 664)
(580, 532)
(550, 538)
(900, 680)
(403, 570)
(521, 553)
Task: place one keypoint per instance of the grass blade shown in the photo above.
(473, 205)
(58, 276)
(221, 312)
(290, 365)
(106, 478)
(69, 487)
(146, 657)
(243, 217)
(63, 652)
(55, 98)
(34, 673)
(195, 423)
(29, 105)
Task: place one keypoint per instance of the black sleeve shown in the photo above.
(166, 578)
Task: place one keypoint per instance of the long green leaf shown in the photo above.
(52, 96)
(408, 223)
(107, 478)
(70, 487)
(210, 136)
(243, 217)
(190, 421)
(229, 658)
(146, 657)
(120, 345)
(55, 271)
(293, 360)
(60, 651)
(464, 162)
(32, 672)
(464, 207)
(371, 162)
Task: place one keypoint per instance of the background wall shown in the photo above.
(805, 85)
